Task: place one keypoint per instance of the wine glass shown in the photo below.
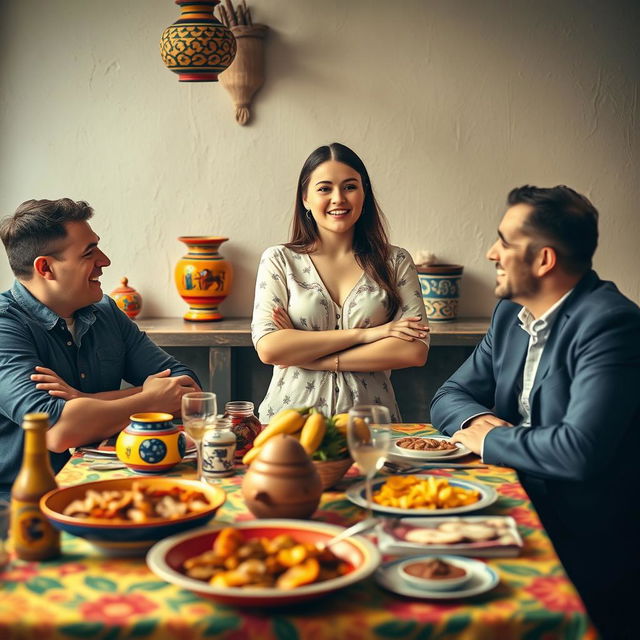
(199, 410)
(369, 436)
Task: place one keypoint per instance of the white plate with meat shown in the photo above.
(427, 448)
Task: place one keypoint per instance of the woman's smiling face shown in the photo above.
(335, 196)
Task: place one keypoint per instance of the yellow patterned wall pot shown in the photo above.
(197, 46)
(203, 277)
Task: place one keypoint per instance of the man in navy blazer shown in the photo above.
(553, 390)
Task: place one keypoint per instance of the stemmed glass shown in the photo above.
(199, 410)
(369, 436)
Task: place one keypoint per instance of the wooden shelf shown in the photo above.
(223, 339)
(236, 332)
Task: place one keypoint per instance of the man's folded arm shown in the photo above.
(142, 356)
(80, 420)
(469, 392)
(18, 359)
(85, 420)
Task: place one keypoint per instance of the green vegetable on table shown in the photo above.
(333, 446)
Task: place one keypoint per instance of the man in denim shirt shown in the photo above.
(64, 346)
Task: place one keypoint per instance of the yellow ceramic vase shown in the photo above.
(151, 443)
(203, 277)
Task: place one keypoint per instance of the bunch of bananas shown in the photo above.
(321, 437)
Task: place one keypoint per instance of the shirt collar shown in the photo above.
(532, 325)
(41, 313)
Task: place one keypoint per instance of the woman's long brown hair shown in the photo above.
(370, 241)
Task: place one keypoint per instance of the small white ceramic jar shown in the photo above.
(218, 450)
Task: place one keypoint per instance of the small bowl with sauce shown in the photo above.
(435, 573)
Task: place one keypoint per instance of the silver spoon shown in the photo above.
(359, 527)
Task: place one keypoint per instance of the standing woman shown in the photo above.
(337, 307)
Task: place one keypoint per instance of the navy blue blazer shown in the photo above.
(579, 460)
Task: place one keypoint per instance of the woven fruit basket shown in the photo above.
(330, 471)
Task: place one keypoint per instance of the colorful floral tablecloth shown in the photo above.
(86, 595)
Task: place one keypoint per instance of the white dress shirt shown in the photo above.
(539, 330)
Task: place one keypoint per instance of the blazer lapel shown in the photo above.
(547, 353)
(509, 385)
(585, 285)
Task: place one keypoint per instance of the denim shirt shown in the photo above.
(108, 348)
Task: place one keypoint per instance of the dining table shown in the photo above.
(86, 594)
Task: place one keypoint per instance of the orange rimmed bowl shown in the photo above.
(120, 537)
(166, 559)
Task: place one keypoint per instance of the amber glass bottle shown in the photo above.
(32, 535)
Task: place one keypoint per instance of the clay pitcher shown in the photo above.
(282, 482)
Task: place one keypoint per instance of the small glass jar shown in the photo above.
(218, 449)
(244, 424)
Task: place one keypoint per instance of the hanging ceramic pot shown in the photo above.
(197, 46)
(127, 298)
(203, 277)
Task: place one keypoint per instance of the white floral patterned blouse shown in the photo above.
(290, 280)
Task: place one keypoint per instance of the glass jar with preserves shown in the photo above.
(243, 423)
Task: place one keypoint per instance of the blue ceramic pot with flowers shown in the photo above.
(151, 443)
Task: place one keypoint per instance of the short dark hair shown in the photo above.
(35, 229)
(562, 219)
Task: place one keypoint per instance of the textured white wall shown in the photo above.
(450, 104)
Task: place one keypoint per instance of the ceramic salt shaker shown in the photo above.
(218, 450)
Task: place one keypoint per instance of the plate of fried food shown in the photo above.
(263, 563)
(428, 448)
(481, 536)
(125, 516)
(423, 495)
